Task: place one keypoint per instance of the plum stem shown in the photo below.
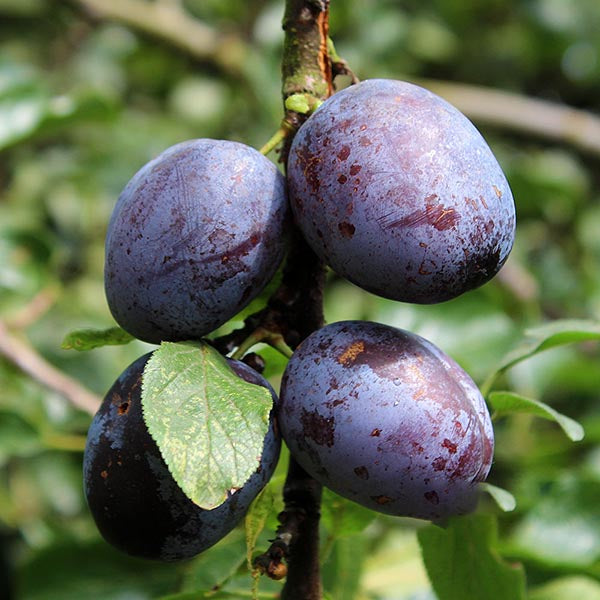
(262, 334)
(285, 129)
(295, 310)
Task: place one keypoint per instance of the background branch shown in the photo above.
(521, 114)
(514, 112)
(169, 21)
(24, 356)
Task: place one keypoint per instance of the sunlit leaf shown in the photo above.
(209, 424)
(88, 339)
(551, 335)
(505, 403)
(503, 498)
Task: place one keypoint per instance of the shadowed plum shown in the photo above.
(398, 192)
(383, 417)
(137, 505)
(195, 235)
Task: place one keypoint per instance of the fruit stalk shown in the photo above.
(306, 68)
(306, 65)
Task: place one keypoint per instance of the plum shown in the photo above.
(136, 504)
(195, 235)
(383, 417)
(398, 192)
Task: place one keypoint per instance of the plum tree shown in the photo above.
(136, 504)
(383, 417)
(397, 191)
(195, 235)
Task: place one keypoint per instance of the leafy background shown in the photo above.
(86, 101)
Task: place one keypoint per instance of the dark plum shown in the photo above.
(398, 192)
(383, 417)
(137, 505)
(195, 235)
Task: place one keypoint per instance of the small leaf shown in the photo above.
(209, 423)
(88, 339)
(505, 403)
(557, 333)
(302, 103)
(256, 518)
(503, 498)
(462, 561)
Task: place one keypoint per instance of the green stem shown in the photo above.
(260, 334)
(278, 137)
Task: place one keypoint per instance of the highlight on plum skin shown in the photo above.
(196, 235)
(383, 417)
(398, 192)
(136, 504)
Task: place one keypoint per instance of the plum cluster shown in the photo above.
(396, 191)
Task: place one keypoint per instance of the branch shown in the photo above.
(33, 310)
(169, 21)
(24, 356)
(296, 308)
(508, 110)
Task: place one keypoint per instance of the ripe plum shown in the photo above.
(137, 505)
(383, 417)
(195, 235)
(398, 192)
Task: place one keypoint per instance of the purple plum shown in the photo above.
(136, 504)
(383, 417)
(195, 236)
(398, 192)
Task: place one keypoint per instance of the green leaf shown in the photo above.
(209, 423)
(462, 561)
(343, 517)
(503, 498)
(557, 333)
(256, 518)
(505, 403)
(88, 339)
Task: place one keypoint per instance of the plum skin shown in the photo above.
(136, 504)
(398, 192)
(195, 235)
(383, 417)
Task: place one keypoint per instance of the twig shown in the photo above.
(508, 110)
(169, 21)
(24, 356)
(521, 114)
(33, 310)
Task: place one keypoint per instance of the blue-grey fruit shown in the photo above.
(195, 235)
(398, 192)
(136, 504)
(383, 417)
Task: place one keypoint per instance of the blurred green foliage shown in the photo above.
(85, 102)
